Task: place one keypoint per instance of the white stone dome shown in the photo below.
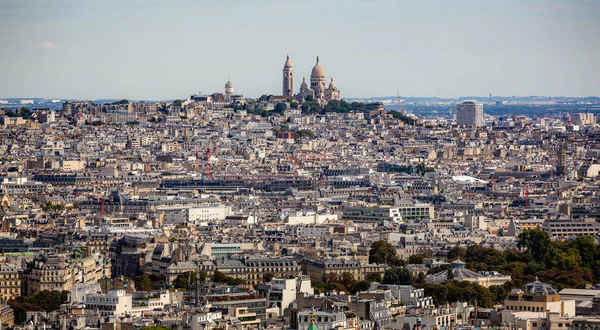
(317, 71)
(304, 85)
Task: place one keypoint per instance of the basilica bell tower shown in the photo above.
(288, 78)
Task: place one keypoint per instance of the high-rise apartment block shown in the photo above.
(469, 113)
(584, 119)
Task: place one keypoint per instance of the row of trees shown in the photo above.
(47, 301)
(344, 282)
(149, 283)
(563, 264)
(24, 113)
(448, 292)
(187, 281)
(311, 106)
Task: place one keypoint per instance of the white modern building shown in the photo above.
(120, 303)
(562, 229)
(196, 215)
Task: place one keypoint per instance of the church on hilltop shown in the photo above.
(317, 90)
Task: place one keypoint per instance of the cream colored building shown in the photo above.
(537, 306)
(49, 273)
(10, 282)
(318, 89)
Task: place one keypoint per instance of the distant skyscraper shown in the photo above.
(288, 78)
(469, 113)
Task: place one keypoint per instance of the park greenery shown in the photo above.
(187, 281)
(24, 113)
(563, 264)
(149, 283)
(311, 106)
(47, 301)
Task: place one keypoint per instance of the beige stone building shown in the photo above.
(49, 273)
(318, 89)
(317, 269)
(10, 282)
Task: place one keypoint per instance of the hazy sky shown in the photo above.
(165, 49)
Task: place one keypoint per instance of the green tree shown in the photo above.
(450, 275)
(219, 277)
(294, 105)
(346, 279)
(373, 277)
(25, 113)
(397, 275)
(359, 286)
(537, 242)
(418, 258)
(587, 247)
(382, 252)
(420, 280)
(177, 103)
(48, 301)
(279, 108)
(142, 283)
(457, 252)
(268, 277)
(186, 281)
(11, 114)
(498, 292)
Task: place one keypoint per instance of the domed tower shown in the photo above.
(288, 78)
(317, 77)
(228, 90)
(332, 92)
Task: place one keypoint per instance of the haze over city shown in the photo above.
(169, 49)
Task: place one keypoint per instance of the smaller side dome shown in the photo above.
(331, 84)
(304, 85)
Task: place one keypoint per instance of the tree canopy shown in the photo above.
(563, 264)
(47, 301)
(383, 252)
(187, 280)
(344, 282)
(279, 108)
(397, 275)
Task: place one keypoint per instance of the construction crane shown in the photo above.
(526, 196)
(197, 165)
(102, 207)
(399, 102)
